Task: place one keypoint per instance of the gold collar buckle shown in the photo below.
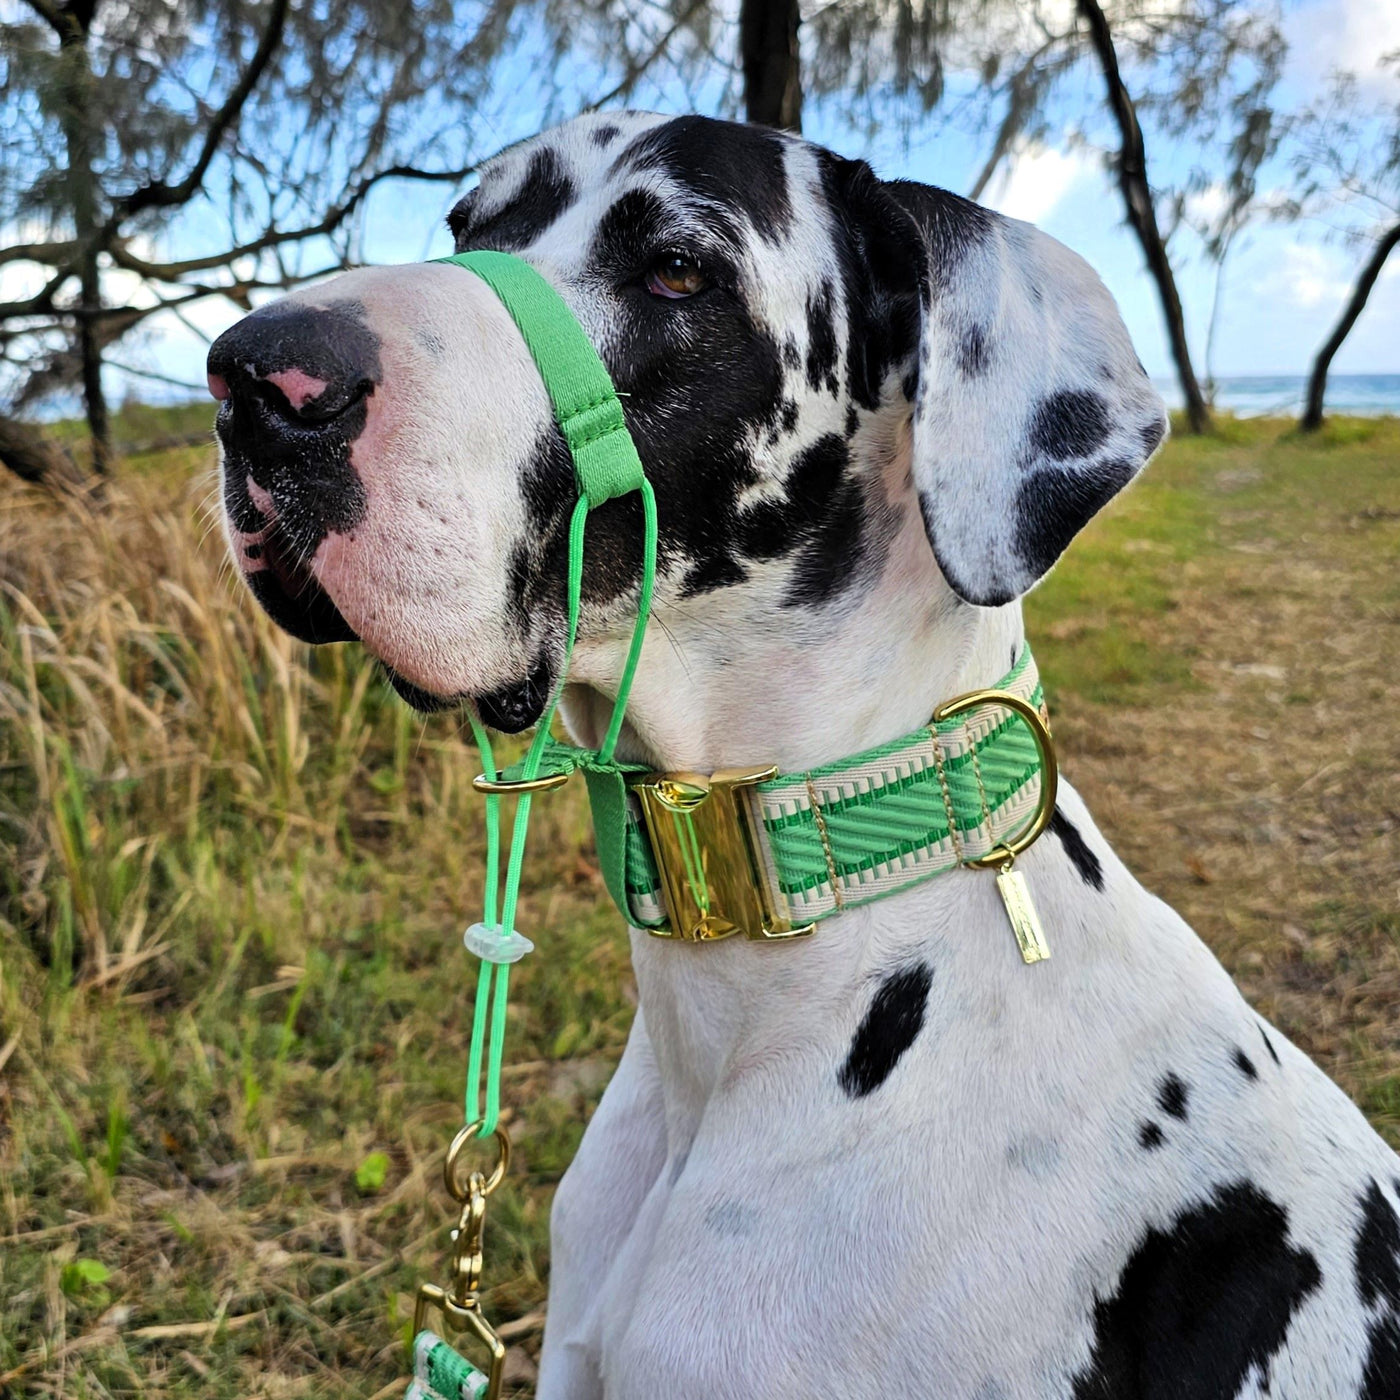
(713, 883)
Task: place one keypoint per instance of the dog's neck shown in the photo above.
(727, 683)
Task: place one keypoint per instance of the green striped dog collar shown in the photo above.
(769, 854)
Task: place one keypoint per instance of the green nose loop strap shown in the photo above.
(606, 465)
(586, 405)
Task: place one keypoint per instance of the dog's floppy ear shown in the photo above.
(1031, 410)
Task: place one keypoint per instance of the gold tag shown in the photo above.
(1016, 896)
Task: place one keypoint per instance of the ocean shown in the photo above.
(1257, 395)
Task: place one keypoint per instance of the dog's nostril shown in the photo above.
(330, 402)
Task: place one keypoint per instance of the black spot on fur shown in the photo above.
(1069, 424)
(1151, 435)
(835, 549)
(1245, 1065)
(739, 168)
(973, 352)
(1150, 1136)
(952, 228)
(823, 517)
(1077, 849)
(1269, 1046)
(881, 263)
(1052, 506)
(1172, 1094)
(1381, 1378)
(852, 420)
(1201, 1304)
(717, 570)
(789, 415)
(604, 135)
(1377, 1250)
(792, 356)
(821, 340)
(546, 192)
(890, 1027)
(300, 607)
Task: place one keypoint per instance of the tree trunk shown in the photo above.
(1317, 383)
(32, 456)
(772, 69)
(1142, 214)
(77, 108)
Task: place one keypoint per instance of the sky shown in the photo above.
(1283, 289)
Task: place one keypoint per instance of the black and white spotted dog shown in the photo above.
(893, 1160)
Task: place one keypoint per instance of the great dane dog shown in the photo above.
(891, 1159)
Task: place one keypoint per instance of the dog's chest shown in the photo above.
(983, 1168)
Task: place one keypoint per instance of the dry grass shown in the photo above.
(233, 873)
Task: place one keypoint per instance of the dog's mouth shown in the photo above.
(289, 593)
(282, 574)
(507, 709)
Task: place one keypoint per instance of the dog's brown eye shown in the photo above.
(675, 275)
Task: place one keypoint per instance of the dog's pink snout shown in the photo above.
(218, 386)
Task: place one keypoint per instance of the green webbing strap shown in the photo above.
(585, 403)
(606, 465)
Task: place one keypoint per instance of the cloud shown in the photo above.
(1036, 180)
(1306, 276)
(1348, 34)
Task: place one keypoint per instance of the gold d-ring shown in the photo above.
(507, 785)
(1005, 851)
(450, 1178)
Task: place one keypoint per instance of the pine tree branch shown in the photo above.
(161, 195)
(60, 251)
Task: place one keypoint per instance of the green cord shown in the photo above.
(493, 979)
(606, 465)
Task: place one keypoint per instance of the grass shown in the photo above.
(233, 874)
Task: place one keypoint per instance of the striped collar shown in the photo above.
(770, 854)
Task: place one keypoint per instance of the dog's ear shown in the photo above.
(1031, 410)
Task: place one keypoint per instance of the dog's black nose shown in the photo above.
(297, 366)
(295, 385)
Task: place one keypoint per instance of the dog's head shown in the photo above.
(806, 355)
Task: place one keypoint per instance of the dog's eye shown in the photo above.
(675, 275)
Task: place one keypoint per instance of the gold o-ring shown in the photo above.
(1049, 770)
(450, 1177)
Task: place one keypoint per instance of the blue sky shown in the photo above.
(1284, 285)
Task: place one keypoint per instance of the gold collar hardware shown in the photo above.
(707, 855)
(459, 1302)
(1011, 884)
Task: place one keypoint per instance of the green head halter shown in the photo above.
(606, 465)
